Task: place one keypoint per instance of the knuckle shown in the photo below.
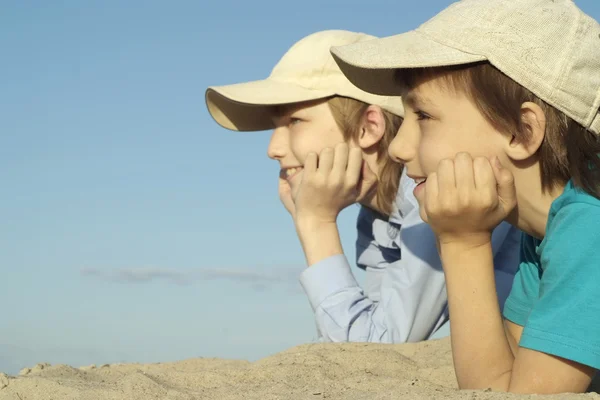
(341, 146)
(336, 180)
(480, 162)
(463, 156)
(348, 188)
(431, 179)
(488, 199)
(314, 179)
(431, 208)
(320, 183)
(446, 163)
(308, 181)
(464, 199)
(448, 206)
(507, 178)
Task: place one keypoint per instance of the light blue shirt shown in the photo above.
(404, 298)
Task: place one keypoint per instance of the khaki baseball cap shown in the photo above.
(548, 46)
(306, 72)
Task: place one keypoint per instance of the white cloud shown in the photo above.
(260, 279)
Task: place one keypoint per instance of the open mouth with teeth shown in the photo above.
(289, 173)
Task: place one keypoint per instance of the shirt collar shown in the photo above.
(405, 199)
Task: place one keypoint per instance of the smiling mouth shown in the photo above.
(289, 173)
(420, 181)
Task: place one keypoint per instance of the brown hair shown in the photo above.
(568, 150)
(348, 114)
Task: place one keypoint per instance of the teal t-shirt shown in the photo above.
(556, 291)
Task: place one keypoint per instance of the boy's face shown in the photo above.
(440, 122)
(300, 129)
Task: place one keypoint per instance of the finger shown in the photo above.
(326, 161)
(483, 174)
(340, 159)
(285, 192)
(431, 194)
(310, 164)
(505, 182)
(463, 172)
(485, 183)
(284, 185)
(367, 181)
(445, 178)
(423, 215)
(355, 165)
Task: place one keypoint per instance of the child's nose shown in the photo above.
(278, 144)
(401, 150)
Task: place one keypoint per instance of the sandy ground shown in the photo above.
(312, 371)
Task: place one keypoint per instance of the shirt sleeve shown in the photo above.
(405, 297)
(526, 284)
(345, 314)
(564, 319)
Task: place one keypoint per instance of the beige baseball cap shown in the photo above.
(306, 72)
(548, 46)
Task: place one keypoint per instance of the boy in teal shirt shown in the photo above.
(557, 277)
(501, 123)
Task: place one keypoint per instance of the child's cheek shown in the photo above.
(311, 142)
(431, 152)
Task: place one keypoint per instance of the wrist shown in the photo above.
(311, 230)
(464, 242)
(319, 239)
(308, 222)
(463, 246)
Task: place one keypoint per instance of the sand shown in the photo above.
(313, 371)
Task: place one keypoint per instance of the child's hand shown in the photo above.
(466, 199)
(334, 184)
(286, 197)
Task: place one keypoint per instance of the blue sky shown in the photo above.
(134, 227)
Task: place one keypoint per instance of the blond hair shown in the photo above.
(348, 114)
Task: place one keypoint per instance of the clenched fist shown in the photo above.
(331, 182)
(466, 198)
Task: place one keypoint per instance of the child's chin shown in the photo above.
(419, 193)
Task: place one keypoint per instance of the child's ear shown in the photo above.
(534, 123)
(372, 127)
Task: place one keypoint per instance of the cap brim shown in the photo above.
(371, 65)
(249, 106)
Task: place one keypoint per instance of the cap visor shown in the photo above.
(249, 106)
(371, 65)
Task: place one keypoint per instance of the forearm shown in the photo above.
(413, 302)
(343, 312)
(319, 240)
(481, 351)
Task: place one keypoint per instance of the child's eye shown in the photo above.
(294, 121)
(421, 116)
